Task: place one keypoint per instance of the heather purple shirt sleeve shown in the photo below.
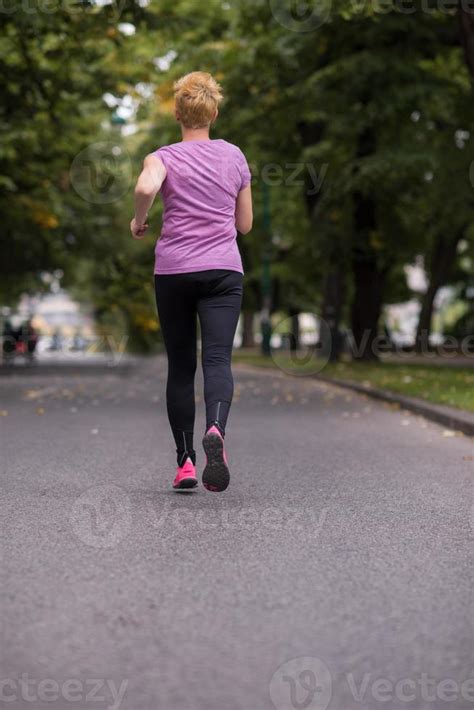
(244, 171)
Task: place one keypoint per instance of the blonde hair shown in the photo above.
(197, 97)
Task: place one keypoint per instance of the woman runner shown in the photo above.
(205, 187)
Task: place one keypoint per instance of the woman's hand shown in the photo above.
(138, 230)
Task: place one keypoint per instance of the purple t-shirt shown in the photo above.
(203, 179)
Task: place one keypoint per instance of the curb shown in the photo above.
(450, 417)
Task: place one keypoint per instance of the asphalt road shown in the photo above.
(335, 572)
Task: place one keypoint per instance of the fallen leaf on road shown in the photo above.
(449, 432)
(40, 410)
(37, 393)
(32, 394)
(3, 412)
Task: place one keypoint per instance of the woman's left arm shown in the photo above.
(147, 187)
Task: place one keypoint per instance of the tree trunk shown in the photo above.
(334, 292)
(247, 330)
(295, 329)
(423, 329)
(369, 281)
(441, 264)
(466, 20)
(369, 277)
(333, 301)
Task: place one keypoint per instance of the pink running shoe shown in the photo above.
(185, 476)
(215, 476)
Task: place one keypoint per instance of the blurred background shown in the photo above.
(357, 121)
(336, 571)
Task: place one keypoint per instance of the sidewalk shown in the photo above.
(450, 417)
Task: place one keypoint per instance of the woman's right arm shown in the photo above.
(148, 185)
(244, 210)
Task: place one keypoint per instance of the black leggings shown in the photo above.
(216, 297)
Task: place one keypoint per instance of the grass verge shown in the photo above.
(452, 386)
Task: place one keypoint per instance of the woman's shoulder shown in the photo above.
(216, 144)
(233, 152)
(231, 147)
(167, 147)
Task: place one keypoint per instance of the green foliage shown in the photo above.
(292, 99)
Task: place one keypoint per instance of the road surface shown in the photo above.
(335, 572)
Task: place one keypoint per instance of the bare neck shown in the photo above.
(195, 134)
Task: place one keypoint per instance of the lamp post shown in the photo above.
(265, 321)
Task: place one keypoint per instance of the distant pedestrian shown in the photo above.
(9, 338)
(205, 187)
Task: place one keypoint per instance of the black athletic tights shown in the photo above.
(216, 297)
